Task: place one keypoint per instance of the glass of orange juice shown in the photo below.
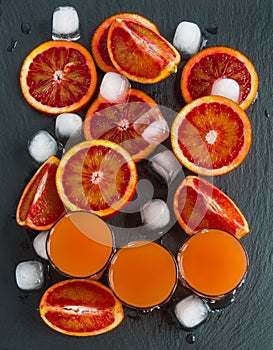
(143, 275)
(80, 245)
(212, 263)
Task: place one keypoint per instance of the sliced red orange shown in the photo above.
(40, 205)
(198, 204)
(98, 175)
(123, 123)
(58, 77)
(213, 63)
(139, 53)
(211, 135)
(80, 308)
(99, 39)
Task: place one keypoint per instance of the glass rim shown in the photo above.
(194, 290)
(149, 307)
(95, 274)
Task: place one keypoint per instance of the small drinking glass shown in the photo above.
(65, 24)
(80, 245)
(143, 275)
(212, 263)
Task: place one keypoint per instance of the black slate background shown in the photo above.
(245, 25)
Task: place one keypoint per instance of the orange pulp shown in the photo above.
(143, 274)
(80, 245)
(212, 262)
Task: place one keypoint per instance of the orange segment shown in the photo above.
(198, 204)
(58, 77)
(80, 308)
(40, 206)
(98, 175)
(204, 68)
(211, 135)
(139, 53)
(99, 39)
(117, 122)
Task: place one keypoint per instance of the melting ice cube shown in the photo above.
(67, 124)
(65, 24)
(155, 214)
(187, 38)
(29, 275)
(191, 311)
(166, 164)
(41, 146)
(114, 87)
(228, 88)
(39, 244)
(156, 132)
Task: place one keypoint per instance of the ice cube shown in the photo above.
(155, 214)
(65, 24)
(166, 164)
(228, 88)
(42, 145)
(39, 244)
(191, 311)
(114, 87)
(67, 124)
(29, 275)
(187, 38)
(156, 132)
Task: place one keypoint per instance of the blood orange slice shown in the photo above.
(80, 308)
(140, 53)
(99, 39)
(198, 204)
(58, 77)
(203, 69)
(40, 206)
(211, 135)
(124, 123)
(99, 176)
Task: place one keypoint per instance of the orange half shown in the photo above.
(124, 123)
(98, 176)
(211, 135)
(213, 63)
(58, 77)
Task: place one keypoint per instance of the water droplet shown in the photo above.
(266, 113)
(12, 45)
(26, 28)
(212, 29)
(190, 338)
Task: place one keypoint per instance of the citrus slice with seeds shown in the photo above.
(58, 77)
(198, 204)
(98, 176)
(214, 63)
(211, 135)
(40, 206)
(99, 39)
(124, 123)
(139, 53)
(80, 308)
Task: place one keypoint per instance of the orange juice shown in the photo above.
(80, 245)
(143, 274)
(212, 263)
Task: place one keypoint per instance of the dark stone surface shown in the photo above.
(245, 325)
